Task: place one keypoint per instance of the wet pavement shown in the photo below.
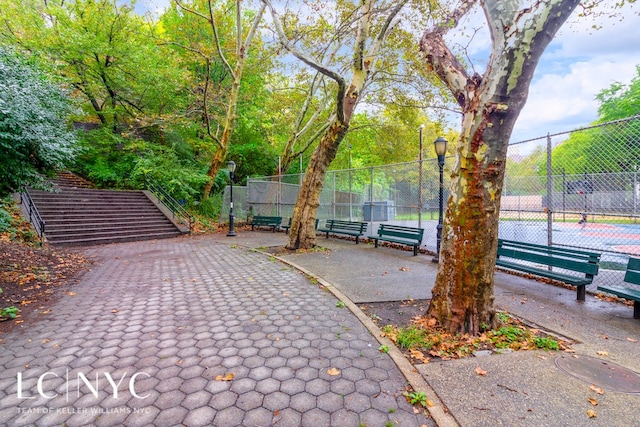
(193, 332)
(212, 331)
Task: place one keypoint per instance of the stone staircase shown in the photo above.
(78, 215)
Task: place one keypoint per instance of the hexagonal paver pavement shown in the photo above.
(195, 332)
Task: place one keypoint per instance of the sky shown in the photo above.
(576, 66)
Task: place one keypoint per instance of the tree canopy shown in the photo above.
(34, 133)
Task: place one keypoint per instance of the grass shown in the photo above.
(424, 339)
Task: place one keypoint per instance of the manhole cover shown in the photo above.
(601, 373)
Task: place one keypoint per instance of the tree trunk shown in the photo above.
(303, 231)
(463, 293)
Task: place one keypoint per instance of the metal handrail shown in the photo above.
(179, 213)
(32, 212)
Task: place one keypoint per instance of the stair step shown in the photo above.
(78, 215)
(83, 234)
(105, 240)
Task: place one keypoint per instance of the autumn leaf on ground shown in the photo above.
(333, 371)
(593, 401)
(115, 310)
(602, 353)
(227, 377)
(596, 389)
(405, 269)
(591, 413)
(631, 339)
(481, 371)
(418, 355)
(71, 294)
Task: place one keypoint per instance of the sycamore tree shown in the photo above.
(229, 37)
(370, 23)
(34, 135)
(490, 103)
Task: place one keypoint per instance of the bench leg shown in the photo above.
(636, 309)
(375, 245)
(415, 250)
(357, 239)
(582, 291)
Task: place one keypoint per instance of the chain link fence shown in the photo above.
(577, 189)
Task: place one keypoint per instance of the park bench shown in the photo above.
(410, 236)
(539, 258)
(632, 276)
(288, 226)
(265, 221)
(350, 228)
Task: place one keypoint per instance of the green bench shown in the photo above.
(288, 226)
(410, 236)
(350, 228)
(540, 257)
(272, 222)
(632, 276)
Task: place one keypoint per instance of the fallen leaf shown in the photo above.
(71, 294)
(602, 353)
(416, 410)
(44, 341)
(596, 389)
(227, 377)
(333, 371)
(418, 355)
(276, 413)
(593, 401)
(481, 371)
(429, 403)
(115, 310)
(405, 269)
(631, 339)
(591, 413)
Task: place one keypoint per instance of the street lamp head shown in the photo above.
(440, 145)
(231, 166)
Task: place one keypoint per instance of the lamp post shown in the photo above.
(440, 145)
(231, 167)
(420, 180)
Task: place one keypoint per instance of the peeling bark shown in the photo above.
(303, 234)
(463, 293)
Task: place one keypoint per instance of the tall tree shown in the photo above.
(520, 32)
(372, 25)
(99, 48)
(233, 57)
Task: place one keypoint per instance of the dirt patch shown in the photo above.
(397, 313)
(33, 278)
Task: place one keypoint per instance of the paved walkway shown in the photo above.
(194, 332)
(167, 321)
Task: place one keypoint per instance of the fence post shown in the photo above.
(549, 194)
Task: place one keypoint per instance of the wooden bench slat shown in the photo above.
(349, 228)
(573, 260)
(265, 221)
(632, 277)
(410, 236)
(631, 294)
(554, 261)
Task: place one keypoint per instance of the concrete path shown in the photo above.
(197, 332)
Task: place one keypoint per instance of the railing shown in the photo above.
(32, 212)
(180, 214)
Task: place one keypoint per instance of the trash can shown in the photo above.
(383, 210)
